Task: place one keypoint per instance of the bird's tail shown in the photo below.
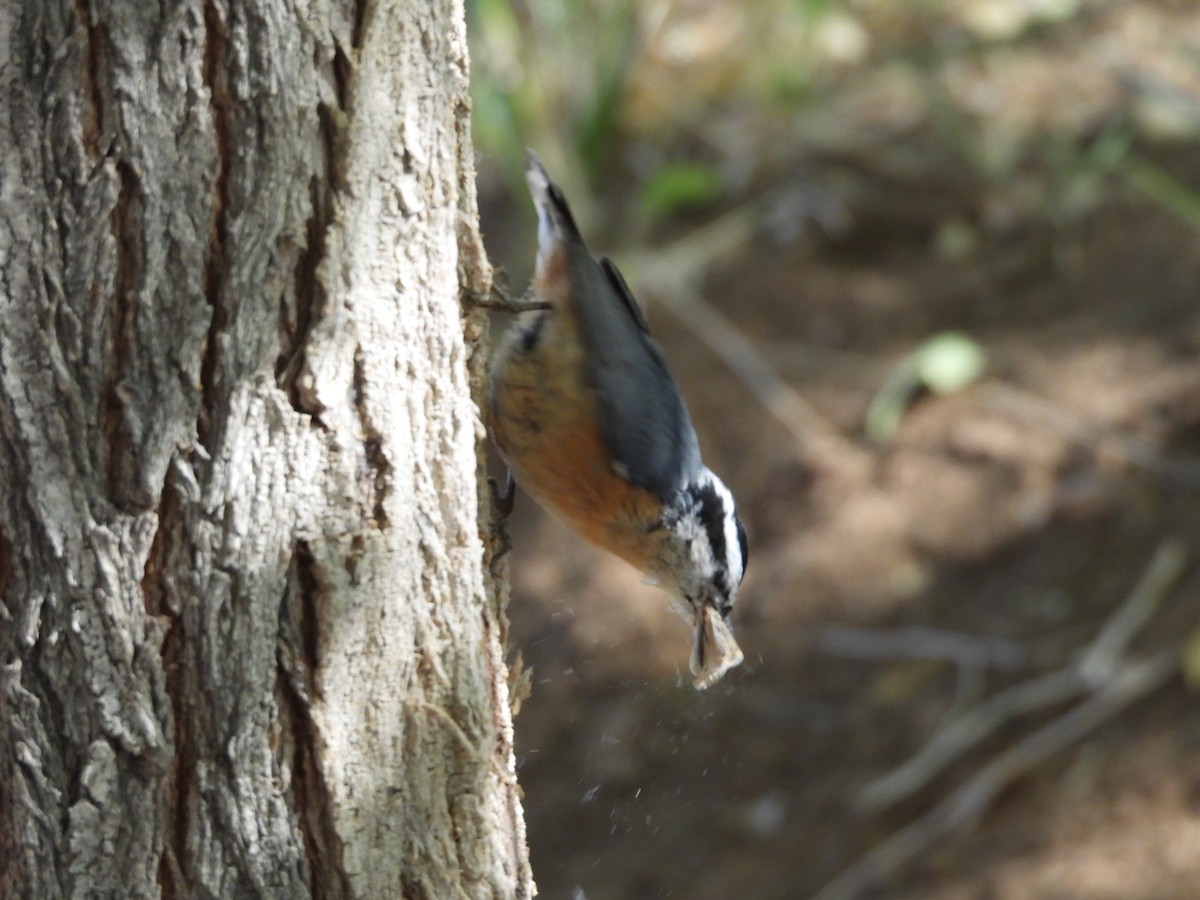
(555, 222)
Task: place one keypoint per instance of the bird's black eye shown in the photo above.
(532, 333)
(725, 609)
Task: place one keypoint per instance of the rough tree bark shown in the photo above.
(250, 645)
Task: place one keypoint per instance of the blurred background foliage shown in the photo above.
(947, 256)
(692, 103)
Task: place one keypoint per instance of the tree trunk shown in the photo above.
(250, 645)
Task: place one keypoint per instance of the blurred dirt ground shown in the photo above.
(893, 590)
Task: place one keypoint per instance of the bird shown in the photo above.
(592, 425)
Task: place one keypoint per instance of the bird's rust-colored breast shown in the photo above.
(545, 421)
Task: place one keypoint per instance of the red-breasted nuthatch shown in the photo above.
(592, 426)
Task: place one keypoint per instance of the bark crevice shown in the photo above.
(213, 70)
(309, 303)
(161, 603)
(90, 77)
(117, 416)
(360, 22)
(292, 374)
(376, 470)
(7, 577)
(312, 800)
(343, 69)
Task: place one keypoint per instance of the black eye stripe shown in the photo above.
(743, 544)
(712, 520)
(532, 333)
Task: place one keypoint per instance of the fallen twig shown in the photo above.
(1105, 680)
(917, 642)
(1104, 653)
(1130, 683)
(1090, 671)
(967, 731)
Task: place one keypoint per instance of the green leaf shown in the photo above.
(949, 362)
(944, 363)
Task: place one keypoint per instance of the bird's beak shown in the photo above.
(715, 651)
